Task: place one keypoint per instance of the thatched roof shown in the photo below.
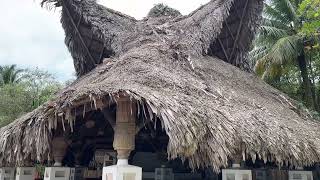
(220, 28)
(210, 109)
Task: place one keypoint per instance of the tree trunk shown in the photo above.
(313, 84)
(306, 84)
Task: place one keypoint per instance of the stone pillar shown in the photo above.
(25, 173)
(124, 143)
(59, 146)
(125, 129)
(299, 173)
(57, 172)
(7, 173)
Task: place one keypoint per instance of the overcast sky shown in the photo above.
(33, 37)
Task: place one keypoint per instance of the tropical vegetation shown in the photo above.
(286, 50)
(9, 74)
(23, 90)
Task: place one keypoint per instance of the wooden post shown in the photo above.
(57, 172)
(59, 149)
(124, 142)
(236, 162)
(125, 128)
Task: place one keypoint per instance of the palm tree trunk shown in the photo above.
(313, 83)
(318, 100)
(306, 84)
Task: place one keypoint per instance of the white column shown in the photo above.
(300, 174)
(7, 173)
(124, 143)
(122, 172)
(236, 174)
(25, 173)
(58, 173)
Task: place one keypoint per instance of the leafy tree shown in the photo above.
(9, 74)
(41, 85)
(281, 43)
(33, 89)
(309, 11)
(14, 102)
(315, 74)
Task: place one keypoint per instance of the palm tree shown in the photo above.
(9, 74)
(279, 43)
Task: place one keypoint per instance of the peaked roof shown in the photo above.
(220, 28)
(210, 109)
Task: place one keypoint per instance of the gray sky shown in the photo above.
(33, 37)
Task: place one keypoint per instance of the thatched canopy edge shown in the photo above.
(35, 128)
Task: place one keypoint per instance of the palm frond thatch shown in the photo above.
(209, 109)
(94, 32)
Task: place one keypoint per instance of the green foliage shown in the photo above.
(33, 89)
(9, 74)
(278, 42)
(40, 169)
(288, 82)
(288, 36)
(309, 11)
(41, 85)
(14, 101)
(163, 10)
(285, 50)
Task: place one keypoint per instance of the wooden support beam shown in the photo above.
(79, 34)
(102, 50)
(229, 30)
(239, 28)
(224, 51)
(108, 116)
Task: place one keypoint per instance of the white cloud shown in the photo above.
(31, 36)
